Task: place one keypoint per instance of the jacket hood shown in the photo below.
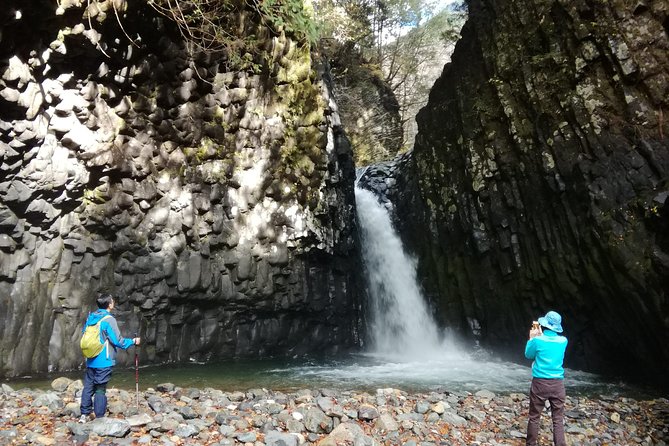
(94, 317)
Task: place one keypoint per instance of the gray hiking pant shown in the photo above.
(540, 391)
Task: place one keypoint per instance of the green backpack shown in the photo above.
(90, 341)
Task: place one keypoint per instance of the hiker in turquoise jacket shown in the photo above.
(99, 368)
(546, 347)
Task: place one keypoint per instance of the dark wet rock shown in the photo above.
(538, 180)
(165, 387)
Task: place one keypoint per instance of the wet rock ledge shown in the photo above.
(171, 415)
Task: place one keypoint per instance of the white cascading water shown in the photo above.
(408, 350)
(401, 324)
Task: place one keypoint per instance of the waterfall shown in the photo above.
(401, 324)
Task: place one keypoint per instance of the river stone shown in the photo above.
(422, 407)
(139, 420)
(275, 438)
(224, 418)
(156, 404)
(387, 423)
(168, 425)
(144, 439)
(516, 434)
(330, 408)
(227, 431)
(274, 408)
(236, 396)
(60, 384)
(186, 430)
(476, 415)
(367, 412)
(453, 419)
(258, 420)
(575, 414)
(193, 393)
(72, 409)
(294, 426)
(439, 407)
(165, 387)
(345, 433)
(117, 407)
(50, 400)
(303, 396)
(246, 437)
(75, 386)
(317, 422)
(109, 427)
(9, 434)
(187, 412)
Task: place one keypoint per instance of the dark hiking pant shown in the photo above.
(540, 391)
(93, 397)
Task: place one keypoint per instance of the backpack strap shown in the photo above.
(106, 341)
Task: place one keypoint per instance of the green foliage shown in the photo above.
(346, 21)
(289, 16)
(404, 43)
(239, 28)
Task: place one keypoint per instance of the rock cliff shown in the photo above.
(217, 204)
(369, 110)
(539, 180)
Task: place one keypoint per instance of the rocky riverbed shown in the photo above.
(171, 415)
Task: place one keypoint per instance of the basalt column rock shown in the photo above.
(539, 180)
(217, 204)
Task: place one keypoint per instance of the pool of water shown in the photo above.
(354, 372)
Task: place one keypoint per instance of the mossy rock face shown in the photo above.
(538, 181)
(217, 204)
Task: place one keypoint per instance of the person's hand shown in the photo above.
(136, 341)
(535, 331)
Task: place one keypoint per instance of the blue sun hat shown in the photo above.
(552, 321)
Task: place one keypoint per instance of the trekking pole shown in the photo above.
(136, 376)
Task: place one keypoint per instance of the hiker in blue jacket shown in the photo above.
(546, 347)
(99, 368)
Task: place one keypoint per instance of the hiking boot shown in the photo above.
(85, 418)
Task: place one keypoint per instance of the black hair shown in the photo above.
(104, 300)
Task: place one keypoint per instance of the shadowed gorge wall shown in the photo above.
(539, 180)
(217, 204)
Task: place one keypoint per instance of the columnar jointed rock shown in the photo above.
(217, 204)
(539, 179)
